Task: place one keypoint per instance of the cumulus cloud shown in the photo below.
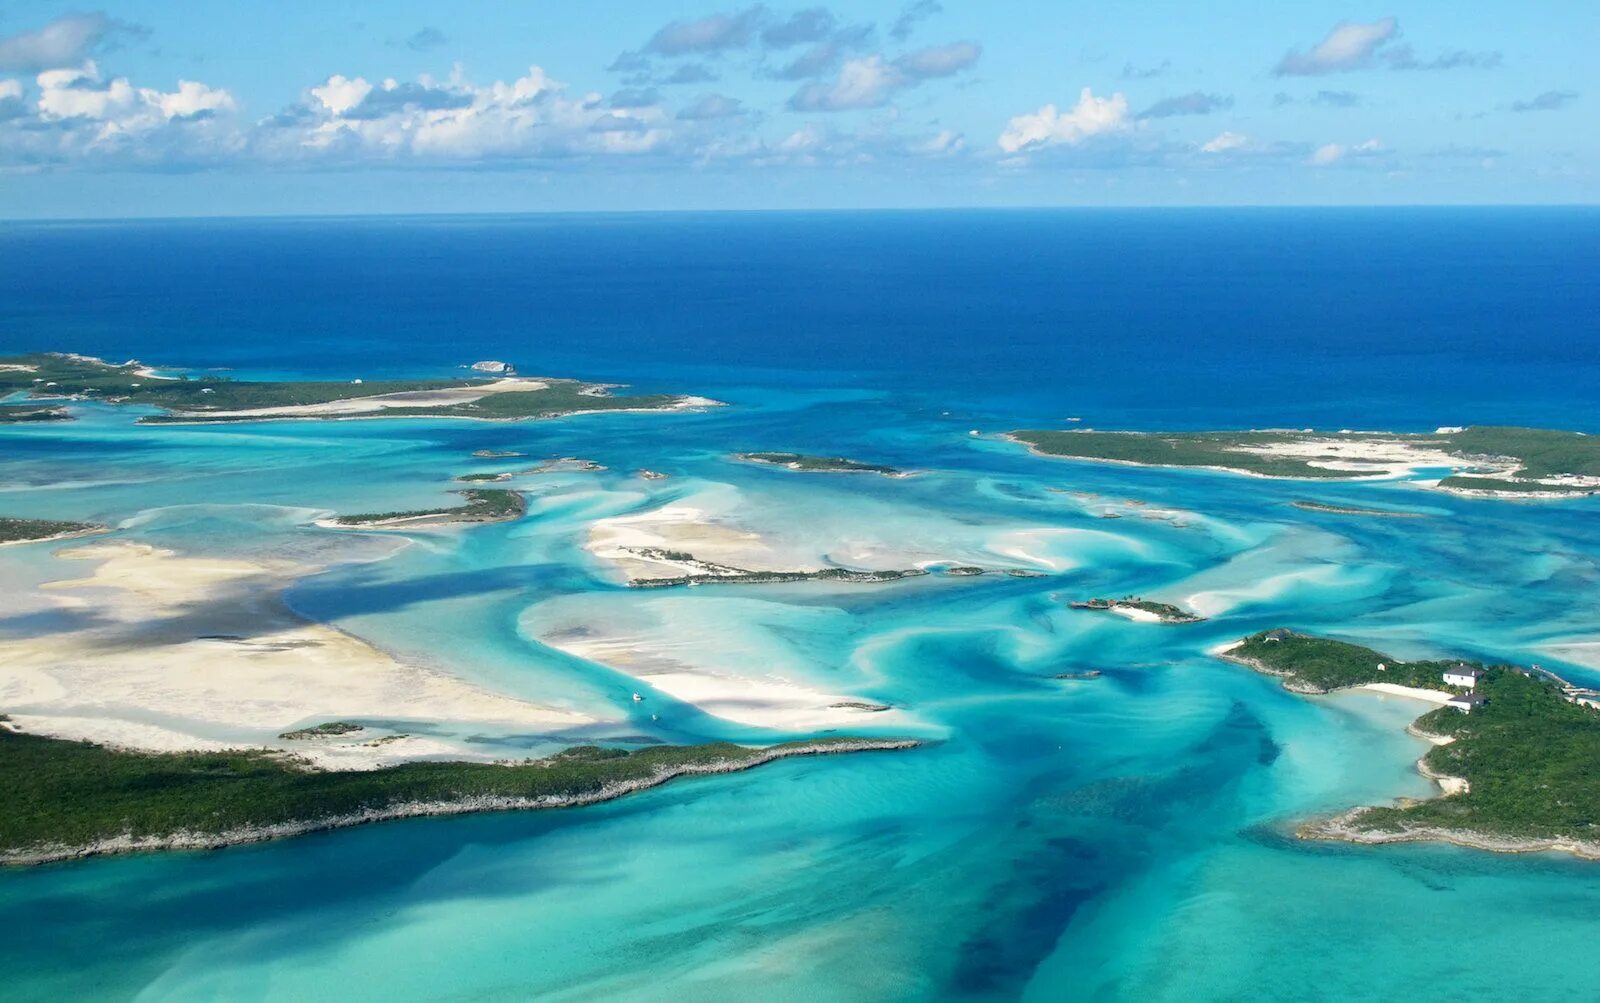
(1548, 101)
(708, 35)
(426, 40)
(712, 106)
(1193, 103)
(66, 41)
(913, 15)
(939, 60)
(1091, 116)
(1332, 153)
(1225, 142)
(1351, 45)
(862, 83)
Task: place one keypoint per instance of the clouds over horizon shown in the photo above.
(1355, 45)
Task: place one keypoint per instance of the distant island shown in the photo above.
(53, 376)
(698, 572)
(1135, 608)
(13, 414)
(14, 530)
(819, 464)
(483, 505)
(1488, 461)
(1515, 750)
(1329, 507)
(66, 799)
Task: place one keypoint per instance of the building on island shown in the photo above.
(1278, 635)
(1466, 703)
(1464, 676)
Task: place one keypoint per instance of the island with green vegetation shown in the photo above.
(1135, 608)
(1490, 461)
(330, 729)
(483, 505)
(484, 478)
(819, 464)
(1517, 758)
(215, 398)
(14, 414)
(1332, 509)
(14, 530)
(69, 799)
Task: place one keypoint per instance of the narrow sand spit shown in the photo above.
(383, 402)
(175, 652)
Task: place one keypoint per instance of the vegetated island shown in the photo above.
(819, 464)
(1516, 750)
(53, 375)
(1135, 608)
(39, 530)
(698, 572)
(1329, 507)
(483, 505)
(13, 414)
(68, 799)
(1487, 461)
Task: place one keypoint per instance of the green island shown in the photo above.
(69, 799)
(35, 530)
(1522, 762)
(326, 730)
(1487, 460)
(1329, 507)
(483, 505)
(1140, 609)
(818, 464)
(484, 478)
(214, 398)
(13, 414)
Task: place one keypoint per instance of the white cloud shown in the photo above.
(341, 93)
(1351, 45)
(710, 34)
(192, 100)
(1225, 141)
(862, 83)
(1091, 116)
(1332, 153)
(10, 89)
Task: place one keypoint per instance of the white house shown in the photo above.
(1464, 676)
(1466, 703)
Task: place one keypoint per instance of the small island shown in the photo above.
(496, 454)
(1332, 509)
(66, 800)
(12, 414)
(1135, 608)
(484, 478)
(1515, 749)
(1484, 461)
(213, 398)
(14, 530)
(331, 729)
(819, 464)
(483, 505)
(565, 465)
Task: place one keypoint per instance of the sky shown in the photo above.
(162, 108)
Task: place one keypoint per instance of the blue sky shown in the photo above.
(163, 108)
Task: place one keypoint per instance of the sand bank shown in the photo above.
(170, 652)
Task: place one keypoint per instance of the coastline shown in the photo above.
(425, 809)
(1345, 827)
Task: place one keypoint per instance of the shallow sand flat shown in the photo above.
(1438, 697)
(684, 529)
(206, 648)
(747, 675)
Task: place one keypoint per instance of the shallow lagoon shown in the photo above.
(1118, 838)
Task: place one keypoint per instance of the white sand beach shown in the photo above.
(383, 402)
(177, 652)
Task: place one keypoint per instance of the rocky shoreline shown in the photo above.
(421, 809)
(1346, 828)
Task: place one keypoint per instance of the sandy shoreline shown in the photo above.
(421, 809)
(178, 653)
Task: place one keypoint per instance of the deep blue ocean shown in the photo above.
(1128, 837)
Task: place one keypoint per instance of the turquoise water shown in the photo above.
(1120, 838)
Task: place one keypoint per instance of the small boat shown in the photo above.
(638, 698)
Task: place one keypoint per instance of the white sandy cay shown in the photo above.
(443, 397)
(180, 652)
(638, 545)
(761, 698)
